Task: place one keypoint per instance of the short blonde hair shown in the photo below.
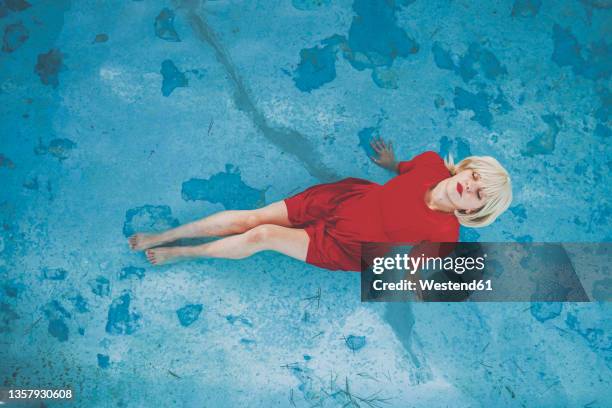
(496, 186)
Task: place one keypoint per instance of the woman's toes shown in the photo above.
(151, 256)
(141, 241)
(134, 241)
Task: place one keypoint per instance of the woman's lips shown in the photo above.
(460, 189)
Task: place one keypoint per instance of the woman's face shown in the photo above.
(465, 191)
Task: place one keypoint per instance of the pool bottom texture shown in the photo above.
(125, 116)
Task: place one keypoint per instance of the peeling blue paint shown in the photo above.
(14, 36)
(6, 162)
(188, 314)
(374, 38)
(48, 67)
(366, 135)
(500, 102)
(100, 286)
(467, 66)
(477, 103)
(148, 218)
(59, 148)
(172, 78)
(57, 314)
(317, 67)
(54, 273)
(80, 303)
(596, 338)
(12, 289)
(247, 342)
(544, 143)
(309, 4)
(103, 360)
(463, 149)
(55, 309)
(130, 271)
(354, 342)
(121, 319)
(459, 153)
(6, 6)
(596, 63)
(519, 212)
(374, 42)
(164, 26)
(58, 329)
(445, 146)
(543, 311)
(226, 188)
(233, 319)
(7, 317)
(100, 38)
(386, 78)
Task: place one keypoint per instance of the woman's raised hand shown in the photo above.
(386, 156)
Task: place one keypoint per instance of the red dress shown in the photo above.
(340, 216)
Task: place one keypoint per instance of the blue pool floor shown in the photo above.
(120, 116)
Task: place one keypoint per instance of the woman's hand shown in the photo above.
(386, 156)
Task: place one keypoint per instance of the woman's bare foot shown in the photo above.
(140, 241)
(162, 255)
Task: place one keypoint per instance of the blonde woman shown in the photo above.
(326, 224)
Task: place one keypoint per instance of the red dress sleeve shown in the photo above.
(426, 157)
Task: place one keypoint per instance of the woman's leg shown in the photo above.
(218, 224)
(289, 241)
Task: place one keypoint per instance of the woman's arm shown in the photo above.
(386, 155)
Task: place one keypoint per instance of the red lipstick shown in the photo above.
(460, 189)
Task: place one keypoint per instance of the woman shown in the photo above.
(326, 224)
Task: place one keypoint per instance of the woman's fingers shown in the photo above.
(386, 146)
(380, 147)
(381, 144)
(375, 160)
(375, 146)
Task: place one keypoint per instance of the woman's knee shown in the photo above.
(274, 214)
(251, 220)
(246, 220)
(262, 234)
